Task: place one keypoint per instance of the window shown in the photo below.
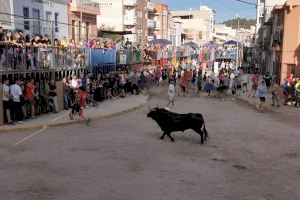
(36, 22)
(56, 15)
(26, 16)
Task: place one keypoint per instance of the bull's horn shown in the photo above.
(149, 107)
(157, 106)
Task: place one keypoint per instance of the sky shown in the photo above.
(225, 9)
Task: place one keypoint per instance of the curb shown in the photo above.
(97, 118)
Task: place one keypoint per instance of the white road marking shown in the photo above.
(53, 120)
(30, 136)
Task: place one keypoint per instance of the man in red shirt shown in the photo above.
(254, 80)
(29, 95)
(78, 107)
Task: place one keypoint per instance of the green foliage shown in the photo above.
(244, 23)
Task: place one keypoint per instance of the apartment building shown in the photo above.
(35, 16)
(82, 18)
(263, 14)
(199, 24)
(135, 16)
(284, 45)
(162, 21)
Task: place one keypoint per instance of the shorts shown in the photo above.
(7, 105)
(238, 86)
(171, 97)
(244, 84)
(254, 87)
(262, 99)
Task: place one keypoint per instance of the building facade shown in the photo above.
(162, 21)
(135, 16)
(199, 24)
(82, 17)
(36, 16)
(284, 45)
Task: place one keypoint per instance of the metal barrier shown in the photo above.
(13, 58)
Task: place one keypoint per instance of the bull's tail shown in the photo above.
(205, 131)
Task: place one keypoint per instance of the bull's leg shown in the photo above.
(169, 135)
(162, 137)
(199, 131)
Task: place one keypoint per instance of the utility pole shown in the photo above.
(237, 42)
(80, 28)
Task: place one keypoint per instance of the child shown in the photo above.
(80, 104)
(208, 87)
(261, 90)
(171, 93)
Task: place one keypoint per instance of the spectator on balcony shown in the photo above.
(64, 43)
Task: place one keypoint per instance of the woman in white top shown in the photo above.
(171, 93)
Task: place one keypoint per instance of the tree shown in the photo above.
(244, 23)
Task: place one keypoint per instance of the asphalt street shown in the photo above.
(249, 156)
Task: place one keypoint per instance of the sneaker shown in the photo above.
(20, 122)
(257, 107)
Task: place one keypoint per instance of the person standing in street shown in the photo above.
(16, 92)
(30, 95)
(245, 81)
(7, 102)
(171, 93)
(274, 91)
(254, 81)
(53, 95)
(267, 80)
(297, 91)
(261, 92)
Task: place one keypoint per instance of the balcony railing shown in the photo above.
(86, 6)
(130, 2)
(130, 20)
(29, 58)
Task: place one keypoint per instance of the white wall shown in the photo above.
(58, 6)
(111, 14)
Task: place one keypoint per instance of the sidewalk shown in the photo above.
(105, 110)
(253, 101)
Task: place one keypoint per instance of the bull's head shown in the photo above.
(154, 112)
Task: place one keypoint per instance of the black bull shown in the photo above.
(170, 122)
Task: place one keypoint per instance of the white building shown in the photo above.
(128, 15)
(35, 16)
(199, 23)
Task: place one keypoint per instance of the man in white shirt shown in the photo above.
(6, 103)
(171, 93)
(16, 93)
(245, 81)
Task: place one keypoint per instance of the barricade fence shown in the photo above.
(30, 58)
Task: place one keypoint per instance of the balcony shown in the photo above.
(151, 24)
(130, 2)
(85, 6)
(130, 20)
